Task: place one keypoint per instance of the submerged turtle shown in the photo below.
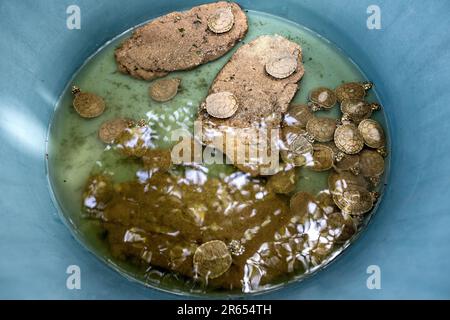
(372, 133)
(341, 226)
(135, 141)
(297, 115)
(352, 90)
(371, 163)
(221, 21)
(298, 152)
(357, 110)
(282, 66)
(322, 98)
(212, 259)
(338, 182)
(348, 139)
(355, 201)
(164, 90)
(323, 158)
(304, 204)
(321, 129)
(110, 130)
(157, 159)
(87, 104)
(348, 162)
(296, 147)
(221, 105)
(283, 182)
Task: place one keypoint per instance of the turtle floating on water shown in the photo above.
(348, 139)
(322, 98)
(87, 104)
(352, 91)
(357, 110)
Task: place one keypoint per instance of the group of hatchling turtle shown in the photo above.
(353, 147)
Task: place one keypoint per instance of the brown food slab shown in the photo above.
(262, 99)
(179, 41)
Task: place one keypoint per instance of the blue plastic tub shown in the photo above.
(408, 59)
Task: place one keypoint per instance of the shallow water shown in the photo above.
(75, 150)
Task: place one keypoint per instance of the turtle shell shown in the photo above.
(325, 200)
(371, 163)
(164, 89)
(341, 226)
(135, 141)
(110, 130)
(349, 162)
(88, 105)
(357, 110)
(348, 139)
(303, 204)
(283, 182)
(352, 90)
(323, 157)
(297, 115)
(221, 105)
(290, 133)
(323, 98)
(321, 128)
(338, 182)
(157, 160)
(282, 66)
(221, 21)
(297, 151)
(372, 133)
(212, 259)
(354, 202)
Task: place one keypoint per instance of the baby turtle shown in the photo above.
(298, 115)
(110, 130)
(290, 133)
(157, 159)
(352, 90)
(356, 201)
(321, 129)
(371, 163)
(296, 148)
(282, 66)
(325, 200)
(342, 181)
(164, 90)
(221, 105)
(322, 98)
(283, 182)
(357, 110)
(212, 259)
(372, 133)
(348, 139)
(86, 104)
(323, 157)
(348, 162)
(221, 21)
(135, 141)
(341, 226)
(304, 204)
